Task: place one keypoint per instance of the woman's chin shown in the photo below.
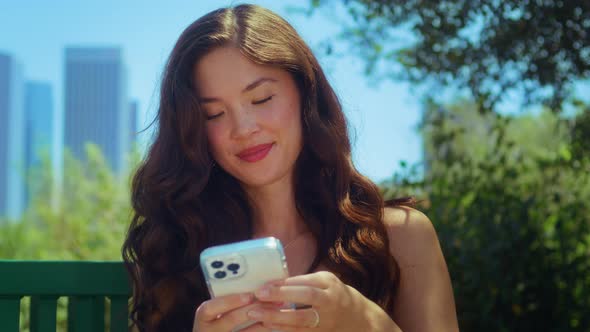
(264, 179)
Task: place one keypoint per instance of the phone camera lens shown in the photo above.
(220, 274)
(217, 264)
(234, 267)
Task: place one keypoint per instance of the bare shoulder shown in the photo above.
(405, 217)
(411, 234)
(424, 300)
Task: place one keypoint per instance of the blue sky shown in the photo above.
(383, 117)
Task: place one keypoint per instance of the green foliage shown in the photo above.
(489, 47)
(581, 134)
(512, 219)
(87, 220)
(469, 133)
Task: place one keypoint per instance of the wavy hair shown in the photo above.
(182, 204)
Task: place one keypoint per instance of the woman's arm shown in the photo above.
(424, 301)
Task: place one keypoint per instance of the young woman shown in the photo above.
(252, 142)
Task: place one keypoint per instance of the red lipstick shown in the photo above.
(255, 153)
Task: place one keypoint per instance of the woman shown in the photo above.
(252, 142)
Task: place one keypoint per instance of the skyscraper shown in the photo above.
(133, 109)
(96, 103)
(12, 136)
(40, 124)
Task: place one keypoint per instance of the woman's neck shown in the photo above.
(275, 212)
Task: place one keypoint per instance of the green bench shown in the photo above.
(86, 284)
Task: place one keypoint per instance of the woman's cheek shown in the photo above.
(214, 136)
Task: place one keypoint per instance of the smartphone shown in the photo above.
(243, 267)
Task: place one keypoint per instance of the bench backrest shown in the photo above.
(86, 284)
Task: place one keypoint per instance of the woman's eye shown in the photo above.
(262, 101)
(214, 116)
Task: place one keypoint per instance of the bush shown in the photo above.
(513, 226)
(89, 221)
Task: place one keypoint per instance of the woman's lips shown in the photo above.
(255, 153)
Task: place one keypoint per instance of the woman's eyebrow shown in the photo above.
(258, 82)
(249, 87)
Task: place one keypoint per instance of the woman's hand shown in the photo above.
(335, 306)
(225, 313)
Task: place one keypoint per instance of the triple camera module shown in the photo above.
(226, 267)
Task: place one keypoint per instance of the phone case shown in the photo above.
(244, 266)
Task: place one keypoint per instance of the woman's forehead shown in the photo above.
(226, 69)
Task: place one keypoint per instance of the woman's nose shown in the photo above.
(244, 123)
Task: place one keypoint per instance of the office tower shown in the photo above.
(133, 109)
(40, 124)
(96, 103)
(12, 136)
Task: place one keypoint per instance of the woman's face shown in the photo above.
(253, 116)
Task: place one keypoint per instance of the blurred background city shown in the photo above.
(481, 110)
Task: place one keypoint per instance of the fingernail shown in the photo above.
(254, 314)
(246, 298)
(263, 292)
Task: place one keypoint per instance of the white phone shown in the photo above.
(243, 267)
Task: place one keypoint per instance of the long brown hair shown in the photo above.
(184, 204)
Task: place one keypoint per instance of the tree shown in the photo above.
(512, 219)
(534, 47)
(90, 222)
(543, 135)
(581, 133)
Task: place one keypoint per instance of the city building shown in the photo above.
(97, 104)
(133, 113)
(12, 138)
(41, 136)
